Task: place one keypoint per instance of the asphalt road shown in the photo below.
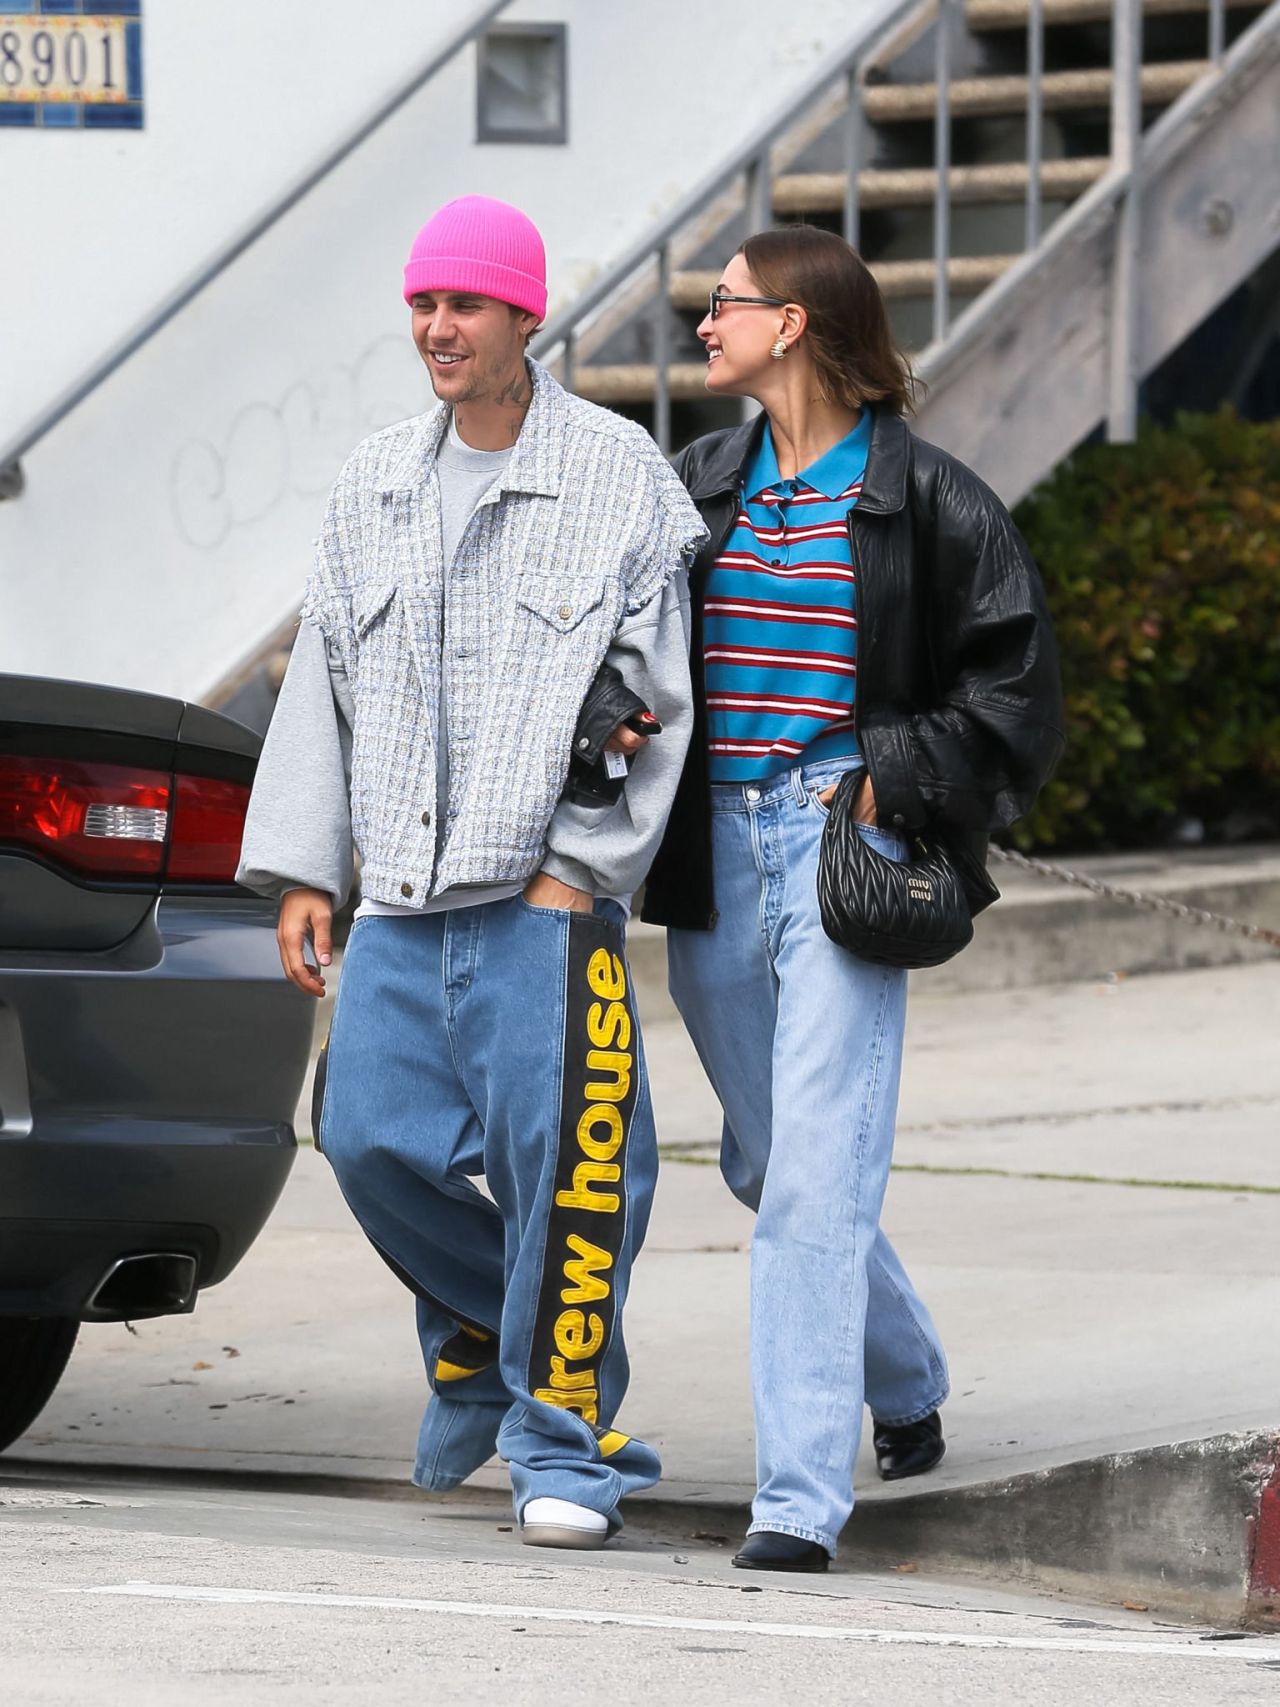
(173, 1593)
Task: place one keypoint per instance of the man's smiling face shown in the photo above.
(473, 345)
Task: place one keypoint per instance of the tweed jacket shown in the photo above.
(585, 528)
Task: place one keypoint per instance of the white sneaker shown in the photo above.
(560, 1523)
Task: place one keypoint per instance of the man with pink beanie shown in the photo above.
(482, 569)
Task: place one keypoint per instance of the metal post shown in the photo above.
(759, 212)
(759, 190)
(854, 150)
(567, 360)
(662, 352)
(1035, 118)
(1126, 152)
(942, 171)
(1217, 30)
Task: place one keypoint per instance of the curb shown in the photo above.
(1190, 1529)
(1041, 932)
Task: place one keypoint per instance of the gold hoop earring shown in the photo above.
(779, 350)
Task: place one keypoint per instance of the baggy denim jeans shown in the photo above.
(502, 1040)
(802, 1044)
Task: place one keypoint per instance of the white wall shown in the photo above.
(166, 524)
(240, 98)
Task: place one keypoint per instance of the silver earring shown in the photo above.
(779, 350)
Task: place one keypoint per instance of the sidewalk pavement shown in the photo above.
(1087, 1190)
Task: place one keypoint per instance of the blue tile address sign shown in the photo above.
(71, 65)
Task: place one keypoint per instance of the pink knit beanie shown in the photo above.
(481, 245)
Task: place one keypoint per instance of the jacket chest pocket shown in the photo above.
(561, 628)
(561, 607)
(370, 607)
(382, 664)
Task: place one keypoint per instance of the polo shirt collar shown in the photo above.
(762, 470)
(833, 473)
(844, 463)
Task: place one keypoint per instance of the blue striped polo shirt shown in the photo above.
(780, 628)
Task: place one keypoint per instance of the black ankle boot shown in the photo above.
(908, 1449)
(767, 1550)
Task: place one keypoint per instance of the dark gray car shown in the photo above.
(151, 1052)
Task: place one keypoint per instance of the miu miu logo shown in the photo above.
(920, 888)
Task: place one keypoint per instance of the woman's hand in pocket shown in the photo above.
(864, 806)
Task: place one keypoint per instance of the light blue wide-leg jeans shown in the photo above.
(803, 1046)
(502, 1040)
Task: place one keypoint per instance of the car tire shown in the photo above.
(33, 1355)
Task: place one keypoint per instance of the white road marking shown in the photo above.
(16, 1499)
(1193, 1648)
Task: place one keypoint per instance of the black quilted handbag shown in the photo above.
(917, 912)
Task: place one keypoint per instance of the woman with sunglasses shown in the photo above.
(864, 604)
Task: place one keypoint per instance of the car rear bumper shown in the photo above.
(147, 1097)
(92, 1195)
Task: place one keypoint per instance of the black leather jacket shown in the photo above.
(609, 702)
(958, 707)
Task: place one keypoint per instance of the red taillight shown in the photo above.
(98, 819)
(120, 822)
(208, 827)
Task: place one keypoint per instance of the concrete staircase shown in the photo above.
(1016, 112)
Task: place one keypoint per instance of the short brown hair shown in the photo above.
(848, 330)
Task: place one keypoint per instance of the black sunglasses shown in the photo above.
(719, 296)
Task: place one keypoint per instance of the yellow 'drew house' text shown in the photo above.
(582, 1327)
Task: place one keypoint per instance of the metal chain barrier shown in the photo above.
(1135, 898)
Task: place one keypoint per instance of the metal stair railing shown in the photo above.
(750, 163)
(749, 168)
(1142, 157)
(185, 293)
(1136, 155)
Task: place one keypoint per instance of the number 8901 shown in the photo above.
(57, 60)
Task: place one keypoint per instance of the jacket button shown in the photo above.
(585, 742)
(898, 820)
(426, 818)
(566, 611)
(406, 889)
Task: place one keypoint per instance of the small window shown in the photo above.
(521, 84)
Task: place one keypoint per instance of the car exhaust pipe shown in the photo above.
(159, 1283)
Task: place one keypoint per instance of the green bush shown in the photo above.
(1162, 564)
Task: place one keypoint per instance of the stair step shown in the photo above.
(990, 97)
(637, 382)
(967, 275)
(1013, 14)
(823, 192)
